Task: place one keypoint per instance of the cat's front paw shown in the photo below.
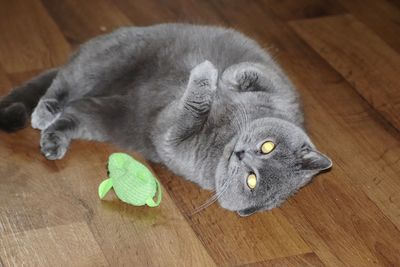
(54, 145)
(245, 77)
(204, 75)
(46, 112)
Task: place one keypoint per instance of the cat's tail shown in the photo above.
(16, 107)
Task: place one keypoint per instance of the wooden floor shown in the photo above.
(344, 56)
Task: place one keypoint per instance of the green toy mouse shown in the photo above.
(133, 182)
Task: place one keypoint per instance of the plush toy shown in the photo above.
(133, 182)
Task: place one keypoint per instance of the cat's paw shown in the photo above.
(204, 75)
(244, 77)
(45, 113)
(249, 79)
(54, 145)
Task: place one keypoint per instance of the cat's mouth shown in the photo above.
(231, 148)
(230, 156)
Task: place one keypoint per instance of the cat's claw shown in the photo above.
(53, 145)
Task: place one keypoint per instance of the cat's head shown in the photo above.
(265, 164)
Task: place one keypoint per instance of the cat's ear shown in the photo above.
(247, 212)
(315, 161)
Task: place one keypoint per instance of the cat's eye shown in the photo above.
(251, 181)
(267, 147)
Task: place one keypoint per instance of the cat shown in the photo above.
(208, 102)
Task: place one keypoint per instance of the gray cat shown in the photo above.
(207, 102)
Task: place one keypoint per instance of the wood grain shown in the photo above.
(394, 2)
(82, 20)
(52, 246)
(362, 58)
(34, 41)
(380, 16)
(304, 260)
(302, 9)
(155, 11)
(5, 84)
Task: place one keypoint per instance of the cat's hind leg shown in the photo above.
(90, 118)
(90, 71)
(16, 107)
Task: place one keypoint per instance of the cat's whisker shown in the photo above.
(211, 200)
(241, 118)
(205, 204)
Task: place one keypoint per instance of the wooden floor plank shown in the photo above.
(5, 83)
(363, 59)
(380, 16)
(52, 246)
(350, 229)
(143, 13)
(155, 11)
(34, 42)
(394, 2)
(304, 260)
(82, 20)
(302, 9)
(383, 17)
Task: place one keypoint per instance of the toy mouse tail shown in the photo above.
(150, 202)
(104, 187)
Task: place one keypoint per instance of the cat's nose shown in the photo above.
(240, 154)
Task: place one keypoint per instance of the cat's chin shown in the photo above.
(267, 207)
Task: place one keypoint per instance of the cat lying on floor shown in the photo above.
(207, 102)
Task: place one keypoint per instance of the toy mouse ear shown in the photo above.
(104, 187)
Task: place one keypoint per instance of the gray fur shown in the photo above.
(189, 97)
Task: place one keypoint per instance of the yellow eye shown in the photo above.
(251, 181)
(267, 147)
